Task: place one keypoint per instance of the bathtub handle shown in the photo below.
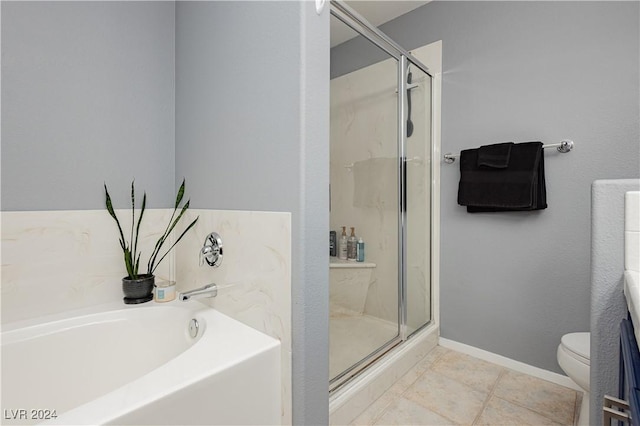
(211, 251)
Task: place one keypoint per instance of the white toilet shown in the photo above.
(573, 357)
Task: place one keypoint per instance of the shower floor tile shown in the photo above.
(353, 336)
(450, 388)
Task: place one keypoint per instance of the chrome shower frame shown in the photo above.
(360, 25)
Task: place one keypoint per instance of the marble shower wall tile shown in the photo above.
(364, 182)
(363, 171)
(254, 277)
(56, 261)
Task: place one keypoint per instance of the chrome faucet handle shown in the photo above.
(206, 251)
(211, 252)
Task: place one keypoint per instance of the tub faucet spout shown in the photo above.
(209, 290)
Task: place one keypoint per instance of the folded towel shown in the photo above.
(518, 187)
(496, 155)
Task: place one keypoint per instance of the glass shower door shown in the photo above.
(364, 175)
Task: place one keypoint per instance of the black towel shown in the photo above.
(518, 187)
(496, 155)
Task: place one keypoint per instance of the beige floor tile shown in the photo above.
(435, 354)
(375, 410)
(447, 397)
(546, 398)
(406, 412)
(501, 412)
(418, 370)
(474, 372)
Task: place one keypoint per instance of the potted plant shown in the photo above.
(138, 288)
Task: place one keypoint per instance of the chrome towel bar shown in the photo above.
(564, 146)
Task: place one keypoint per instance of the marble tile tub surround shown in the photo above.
(254, 277)
(56, 261)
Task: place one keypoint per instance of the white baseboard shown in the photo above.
(512, 364)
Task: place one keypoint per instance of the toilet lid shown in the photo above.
(578, 344)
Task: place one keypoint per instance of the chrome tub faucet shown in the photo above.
(209, 290)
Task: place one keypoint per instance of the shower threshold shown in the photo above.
(349, 399)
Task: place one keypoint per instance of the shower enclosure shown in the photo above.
(381, 174)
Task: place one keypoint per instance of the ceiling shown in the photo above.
(376, 12)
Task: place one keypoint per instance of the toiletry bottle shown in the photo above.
(342, 244)
(352, 245)
(360, 250)
(165, 291)
(332, 243)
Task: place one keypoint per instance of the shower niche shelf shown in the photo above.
(335, 263)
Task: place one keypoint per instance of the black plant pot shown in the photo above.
(139, 290)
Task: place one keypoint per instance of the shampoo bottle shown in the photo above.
(342, 244)
(352, 245)
(332, 243)
(360, 250)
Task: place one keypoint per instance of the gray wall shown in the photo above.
(87, 97)
(252, 133)
(513, 283)
(608, 305)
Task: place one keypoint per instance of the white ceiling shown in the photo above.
(376, 12)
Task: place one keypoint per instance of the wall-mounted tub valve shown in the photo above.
(212, 250)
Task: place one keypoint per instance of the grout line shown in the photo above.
(383, 410)
(507, 367)
(576, 408)
(543, 414)
(436, 359)
(511, 364)
(429, 367)
(554, 420)
(489, 396)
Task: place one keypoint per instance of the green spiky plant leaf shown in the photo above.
(130, 248)
(152, 265)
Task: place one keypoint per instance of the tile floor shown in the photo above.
(451, 388)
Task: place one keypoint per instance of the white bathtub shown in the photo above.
(117, 364)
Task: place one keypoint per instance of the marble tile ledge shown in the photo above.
(335, 263)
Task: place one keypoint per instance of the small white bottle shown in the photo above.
(342, 244)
